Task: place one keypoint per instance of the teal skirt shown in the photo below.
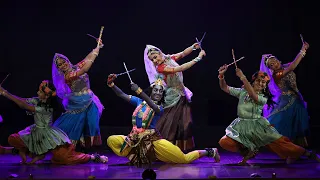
(41, 140)
(252, 133)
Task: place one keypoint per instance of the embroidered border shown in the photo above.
(291, 101)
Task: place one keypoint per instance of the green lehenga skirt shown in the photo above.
(252, 133)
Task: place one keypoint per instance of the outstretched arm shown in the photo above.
(145, 97)
(185, 66)
(21, 102)
(186, 52)
(297, 60)
(115, 88)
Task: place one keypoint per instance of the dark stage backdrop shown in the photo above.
(32, 31)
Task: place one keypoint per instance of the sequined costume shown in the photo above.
(83, 108)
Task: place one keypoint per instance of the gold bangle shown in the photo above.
(3, 93)
(111, 85)
(95, 53)
(139, 91)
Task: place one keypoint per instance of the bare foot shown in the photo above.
(217, 156)
(104, 159)
(250, 155)
(36, 158)
(243, 162)
(23, 156)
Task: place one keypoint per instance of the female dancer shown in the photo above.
(289, 115)
(83, 108)
(41, 137)
(144, 144)
(250, 130)
(175, 124)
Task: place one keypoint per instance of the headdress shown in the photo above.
(159, 81)
(152, 50)
(267, 57)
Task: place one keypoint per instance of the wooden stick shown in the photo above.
(234, 58)
(100, 35)
(199, 43)
(301, 37)
(124, 64)
(4, 79)
(235, 61)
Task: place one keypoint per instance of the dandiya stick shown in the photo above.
(234, 58)
(100, 35)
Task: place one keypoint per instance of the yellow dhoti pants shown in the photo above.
(165, 150)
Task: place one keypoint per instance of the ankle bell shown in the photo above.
(211, 152)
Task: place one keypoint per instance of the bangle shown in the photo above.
(193, 47)
(221, 76)
(197, 59)
(111, 85)
(242, 78)
(303, 53)
(95, 53)
(139, 91)
(3, 93)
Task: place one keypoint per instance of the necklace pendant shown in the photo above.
(140, 114)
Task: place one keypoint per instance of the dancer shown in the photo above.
(144, 143)
(83, 108)
(289, 115)
(250, 130)
(41, 137)
(175, 124)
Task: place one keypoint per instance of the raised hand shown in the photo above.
(111, 78)
(196, 46)
(201, 54)
(134, 87)
(223, 69)
(100, 43)
(2, 91)
(305, 46)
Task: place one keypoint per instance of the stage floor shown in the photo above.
(264, 165)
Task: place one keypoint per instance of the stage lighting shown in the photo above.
(149, 174)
